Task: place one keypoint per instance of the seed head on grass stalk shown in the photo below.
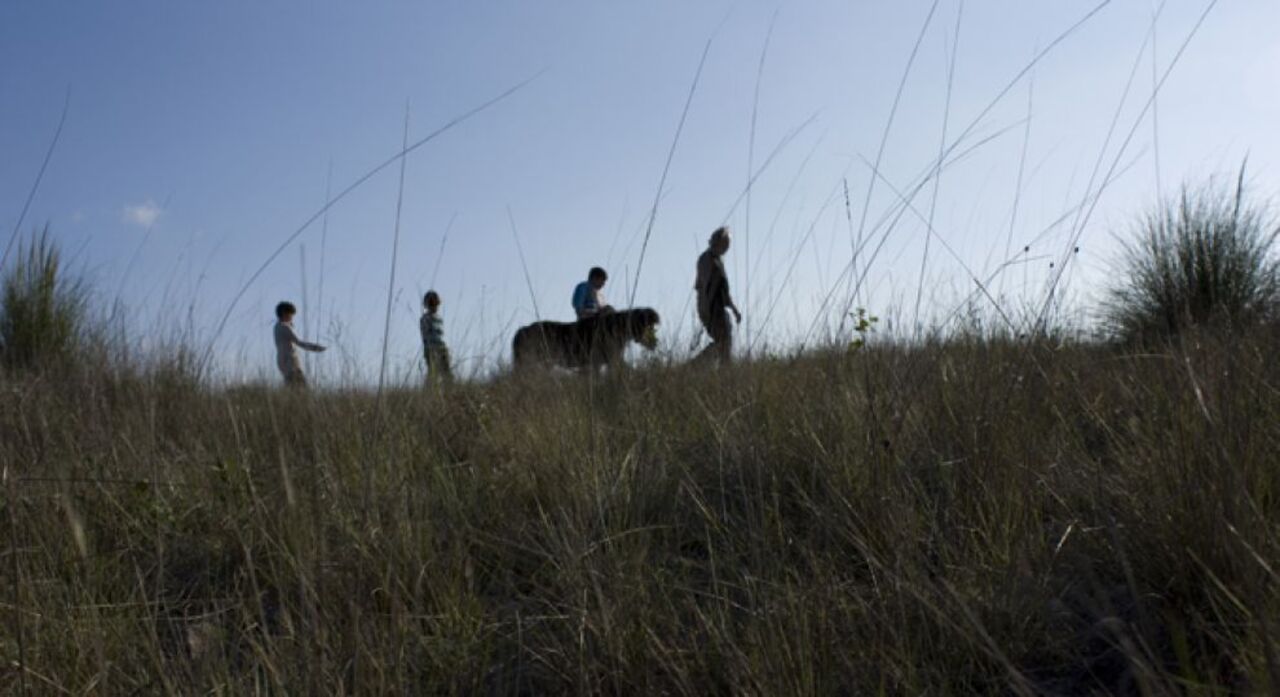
(939, 164)
(1083, 221)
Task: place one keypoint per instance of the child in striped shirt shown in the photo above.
(434, 350)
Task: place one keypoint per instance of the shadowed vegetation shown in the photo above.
(969, 516)
(966, 514)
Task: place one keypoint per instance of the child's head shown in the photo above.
(431, 301)
(285, 311)
(596, 277)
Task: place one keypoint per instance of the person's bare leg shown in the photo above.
(295, 379)
(725, 349)
(708, 353)
(721, 336)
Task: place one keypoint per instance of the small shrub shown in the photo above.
(1205, 259)
(42, 308)
(864, 324)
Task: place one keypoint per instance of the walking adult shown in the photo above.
(714, 301)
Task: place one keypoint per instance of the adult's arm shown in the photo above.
(720, 287)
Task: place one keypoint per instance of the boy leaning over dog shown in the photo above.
(588, 301)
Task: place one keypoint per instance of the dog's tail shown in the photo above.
(518, 359)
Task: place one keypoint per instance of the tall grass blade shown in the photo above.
(35, 186)
(445, 128)
(666, 168)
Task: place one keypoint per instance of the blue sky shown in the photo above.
(216, 126)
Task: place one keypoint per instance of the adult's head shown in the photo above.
(431, 300)
(597, 277)
(719, 241)
(285, 311)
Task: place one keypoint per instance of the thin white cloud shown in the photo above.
(143, 214)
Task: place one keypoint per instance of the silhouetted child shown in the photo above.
(588, 301)
(434, 350)
(287, 345)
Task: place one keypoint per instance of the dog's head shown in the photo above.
(644, 327)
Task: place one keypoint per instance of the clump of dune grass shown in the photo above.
(43, 307)
(1205, 259)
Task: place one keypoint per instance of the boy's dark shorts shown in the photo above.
(438, 361)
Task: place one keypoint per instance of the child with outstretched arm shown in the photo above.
(287, 345)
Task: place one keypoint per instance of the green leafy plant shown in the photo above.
(864, 324)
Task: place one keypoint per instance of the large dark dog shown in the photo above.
(589, 343)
